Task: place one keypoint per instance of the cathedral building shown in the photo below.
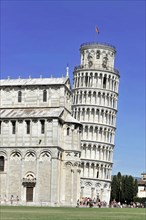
(57, 142)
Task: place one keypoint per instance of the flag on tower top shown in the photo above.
(97, 29)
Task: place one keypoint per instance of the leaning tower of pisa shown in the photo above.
(95, 95)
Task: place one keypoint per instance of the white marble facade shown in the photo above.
(95, 95)
(56, 143)
(40, 142)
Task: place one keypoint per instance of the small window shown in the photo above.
(19, 96)
(104, 63)
(104, 82)
(44, 95)
(68, 129)
(2, 163)
(76, 126)
(27, 127)
(98, 54)
(13, 127)
(86, 79)
(42, 126)
(97, 174)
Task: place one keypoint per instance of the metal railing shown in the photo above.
(97, 43)
(96, 67)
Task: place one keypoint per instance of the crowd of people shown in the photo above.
(115, 204)
(12, 200)
(85, 202)
(88, 202)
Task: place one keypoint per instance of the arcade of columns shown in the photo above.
(95, 95)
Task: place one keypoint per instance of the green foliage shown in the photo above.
(135, 187)
(123, 188)
(140, 200)
(114, 188)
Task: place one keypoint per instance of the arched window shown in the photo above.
(19, 96)
(44, 95)
(27, 127)
(104, 63)
(104, 82)
(98, 54)
(2, 163)
(42, 126)
(13, 127)
(68, 129)
(86, 79)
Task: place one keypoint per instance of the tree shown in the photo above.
(123, 188)
(114, 188)
(119, 179)
(135, 187)
(123, 197)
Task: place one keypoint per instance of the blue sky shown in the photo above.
(41, 37)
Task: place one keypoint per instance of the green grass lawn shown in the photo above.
(45, 213)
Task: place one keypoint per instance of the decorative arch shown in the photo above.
(30, 175)
(97, 185)
(76, 164)
(30, 156)
(15, 155)
(29, 180)
(45, 156)
(68, 164)
(88, 184)
(4, 154)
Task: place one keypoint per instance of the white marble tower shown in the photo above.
(95, 95)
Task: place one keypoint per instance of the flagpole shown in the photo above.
(96, 32)
(95, 37)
